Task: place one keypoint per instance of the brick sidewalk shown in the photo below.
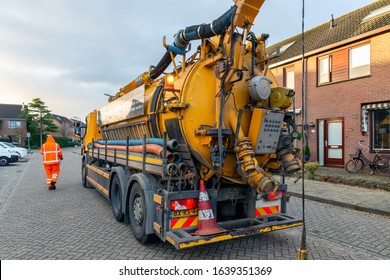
(369, 200)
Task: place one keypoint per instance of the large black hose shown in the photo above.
(184, 36)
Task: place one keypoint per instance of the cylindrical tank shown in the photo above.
(189, 111)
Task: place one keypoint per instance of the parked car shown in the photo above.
(7, 156)
(21, 151)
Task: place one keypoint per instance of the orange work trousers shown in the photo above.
(52, 173)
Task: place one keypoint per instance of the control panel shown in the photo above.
(264, 131)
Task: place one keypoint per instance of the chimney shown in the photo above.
(331, 23)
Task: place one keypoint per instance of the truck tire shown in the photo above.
(138, 213)
(116, 199)
(4, 161)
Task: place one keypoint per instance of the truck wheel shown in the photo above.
(116, 199)
(137, 214)
(4, 161)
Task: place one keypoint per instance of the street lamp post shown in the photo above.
(28, 135)
(40, 125)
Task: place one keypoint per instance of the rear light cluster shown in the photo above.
(184, 204)
(273, 196)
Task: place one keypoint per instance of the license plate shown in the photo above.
(184, 213)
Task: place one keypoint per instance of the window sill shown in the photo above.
(385, 151)
(343, 81)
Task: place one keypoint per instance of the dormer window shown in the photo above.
(286, 46)
(378, 12)
(283, 48)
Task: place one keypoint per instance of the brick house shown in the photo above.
(65, 127)
(347, 82)
(12, 127)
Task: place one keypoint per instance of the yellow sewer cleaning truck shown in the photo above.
(193, 156)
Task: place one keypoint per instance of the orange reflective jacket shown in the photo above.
(51, 151)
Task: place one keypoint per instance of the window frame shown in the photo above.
(372, 130)
(14, 126)
(350, 50)
(339, 64)
(329, 57)
(287, 70)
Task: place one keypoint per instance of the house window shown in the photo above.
(381, 129)
(289, 77)
(324, 69)
(359, 61)
(14, 124)
(343, 65)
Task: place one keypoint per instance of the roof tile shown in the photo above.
(346, 26)
(10, 111)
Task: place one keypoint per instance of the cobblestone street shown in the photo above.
(77, 223)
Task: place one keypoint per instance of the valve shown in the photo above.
(254, 174)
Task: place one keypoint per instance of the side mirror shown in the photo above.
(79, 131)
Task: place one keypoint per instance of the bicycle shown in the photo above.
(380, 163)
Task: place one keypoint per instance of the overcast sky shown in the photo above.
(70, 52)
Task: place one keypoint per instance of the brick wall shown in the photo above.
(343, 99)
(6, 131)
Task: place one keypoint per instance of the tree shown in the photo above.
(39, 120)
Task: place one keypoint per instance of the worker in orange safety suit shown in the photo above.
(51, 156)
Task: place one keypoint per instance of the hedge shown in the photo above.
(63, 141)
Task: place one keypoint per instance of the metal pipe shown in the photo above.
(183, 167)
(127, 151)
(143, 153)
(150, 148)
(105, 154)
(171, 144)
(177, 157)
(171, 169)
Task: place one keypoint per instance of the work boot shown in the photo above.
(53, 186)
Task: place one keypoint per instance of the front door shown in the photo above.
(333, 142)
